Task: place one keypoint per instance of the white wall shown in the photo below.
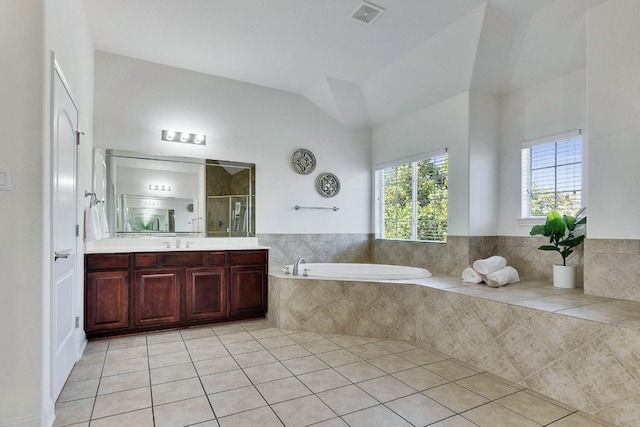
(243, 122)
(613, 84)
(555, 106)
(26, 259)
(484, 118)
(444, 125)
(21, 232)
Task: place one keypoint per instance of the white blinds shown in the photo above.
(552, 174)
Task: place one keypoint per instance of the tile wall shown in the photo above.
(459, 252)
(612, 268)
(448, 258)
(577, 361)
(590, 365)
(286, 248)
(523, 254)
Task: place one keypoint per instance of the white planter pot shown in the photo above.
(564, 276)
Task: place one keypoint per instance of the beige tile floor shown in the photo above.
(253, 374)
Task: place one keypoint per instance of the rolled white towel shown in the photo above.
(469, 275)
(502, 277)
(489, 265)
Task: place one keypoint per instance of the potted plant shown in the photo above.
(565, 232)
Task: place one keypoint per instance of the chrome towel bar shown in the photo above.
(298, 207)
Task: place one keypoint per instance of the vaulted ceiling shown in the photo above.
(417, 53)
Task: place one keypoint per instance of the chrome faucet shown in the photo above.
(296, 265)
(178, 242)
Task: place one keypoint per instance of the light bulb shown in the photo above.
(199, 138)
(170, 135)
(184, 137)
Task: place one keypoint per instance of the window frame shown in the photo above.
(526, 171)
(379, 196)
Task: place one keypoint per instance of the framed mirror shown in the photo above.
(151, 195)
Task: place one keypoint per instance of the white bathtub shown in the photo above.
(360, 271)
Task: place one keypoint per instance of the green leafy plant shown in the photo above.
(565, 232)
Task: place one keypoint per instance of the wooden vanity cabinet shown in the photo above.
(206, 293)
(157, 297)
(138, 292)
(107, 292)
(248, 283)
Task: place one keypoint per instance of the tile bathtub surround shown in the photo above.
(222, 378)
(445, 258)
(579, 349)
(612, 268)
(523, 254)
(286, 248)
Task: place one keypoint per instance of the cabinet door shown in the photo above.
(206, 293)
(157, 297)
(248, 290)
(107, 300)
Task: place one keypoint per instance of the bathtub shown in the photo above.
(360, 271)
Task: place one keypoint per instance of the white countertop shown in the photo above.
(157, 244)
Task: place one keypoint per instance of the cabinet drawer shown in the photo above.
(145, 260)
(245, 258)
(181, 259)
(217, 258)
(107, 261)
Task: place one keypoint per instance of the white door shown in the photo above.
(63, 307)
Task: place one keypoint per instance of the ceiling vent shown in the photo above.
(366, 13)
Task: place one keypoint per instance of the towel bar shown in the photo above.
(297, 207)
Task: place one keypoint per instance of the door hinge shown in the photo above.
(78, 133)
(77, 322)
(77, 230)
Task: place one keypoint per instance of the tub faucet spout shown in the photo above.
(296, 265)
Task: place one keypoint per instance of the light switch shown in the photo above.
(5, 179)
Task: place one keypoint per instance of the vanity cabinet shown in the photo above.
(107, 292)
(206, 293)
(248, 283)
(139, 292)
(157, 297)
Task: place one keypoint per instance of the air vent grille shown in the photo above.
(367, 13)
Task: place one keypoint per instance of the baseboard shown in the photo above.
(44, 419)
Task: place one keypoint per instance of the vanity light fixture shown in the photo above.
(157, 187)
(186, 137)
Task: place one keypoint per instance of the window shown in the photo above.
(552, 175)
(411, 198)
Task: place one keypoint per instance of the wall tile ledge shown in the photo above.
(582, 350)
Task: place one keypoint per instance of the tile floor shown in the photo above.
(253, 374)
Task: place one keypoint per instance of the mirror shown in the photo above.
(146, 194)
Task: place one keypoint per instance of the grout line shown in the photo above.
(334, 370)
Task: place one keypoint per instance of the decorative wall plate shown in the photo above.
(303, 161)
(328, 185)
